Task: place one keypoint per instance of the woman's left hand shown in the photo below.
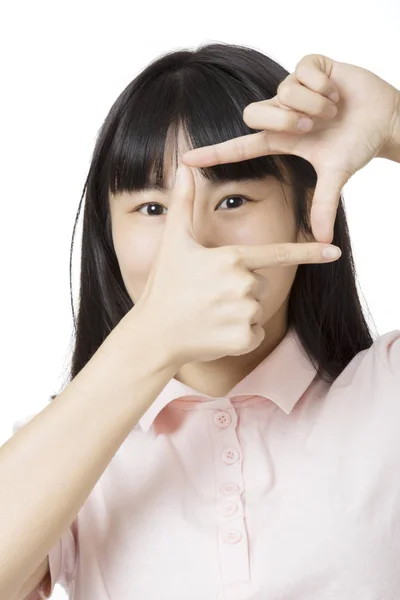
(337, 145)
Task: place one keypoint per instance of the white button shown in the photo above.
(233, 536)
(230, 455)
(229, 488)
(229, 508)
(222, 419)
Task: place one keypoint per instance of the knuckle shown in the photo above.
(308, 253)
(285, 93)
(306, 59)
(281, 253)
(301, 70)
(236, 336)
(240, 150)
(252, 310)
(232, 256)
(248, 286)
(248, 109)
(257, 312)
(244, 336)
(266, 135)
(323, 104)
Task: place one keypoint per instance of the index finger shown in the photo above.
(237, 149)
(285, 254)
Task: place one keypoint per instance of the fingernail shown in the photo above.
(331, 252)
(305, 123)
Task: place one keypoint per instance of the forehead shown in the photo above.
(176, 144)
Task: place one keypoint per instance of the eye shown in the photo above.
(153, 212)
(234, 198)
(157, 213)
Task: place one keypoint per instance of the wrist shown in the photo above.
(391, 149)
(152, 336)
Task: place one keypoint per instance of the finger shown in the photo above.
(325, 204)
(241, 148)
(180, 212)
(313, 71)
(266, 115)
(282, 254)
(296, 96)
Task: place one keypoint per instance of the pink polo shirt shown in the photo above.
(287, 488)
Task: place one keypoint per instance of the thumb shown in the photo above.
(179, 221)
(325, 203)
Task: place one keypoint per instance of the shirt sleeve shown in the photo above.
(62, 556)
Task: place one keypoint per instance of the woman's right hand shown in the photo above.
(204, 302)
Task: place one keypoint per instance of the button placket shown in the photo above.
(229, 488)
(232, 534)
(229, 508)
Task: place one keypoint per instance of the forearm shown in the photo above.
(391, 150)
(49, 467)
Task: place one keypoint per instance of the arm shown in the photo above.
(49, 467)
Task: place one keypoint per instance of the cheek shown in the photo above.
(136, 253)
(272, 224)
(267, 226)
(279, 281)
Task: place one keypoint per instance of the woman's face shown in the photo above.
(247, 212)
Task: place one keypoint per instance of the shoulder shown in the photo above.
(381, 359)
(372, 377)
(386, 349)
(370, 384)
(383, 356)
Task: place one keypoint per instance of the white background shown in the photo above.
(63, 65)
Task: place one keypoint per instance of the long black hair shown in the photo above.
(205, 91)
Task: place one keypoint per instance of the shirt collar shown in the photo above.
(283, 377)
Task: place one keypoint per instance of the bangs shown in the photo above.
(205, 102)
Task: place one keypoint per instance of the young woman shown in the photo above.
(229, 428)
